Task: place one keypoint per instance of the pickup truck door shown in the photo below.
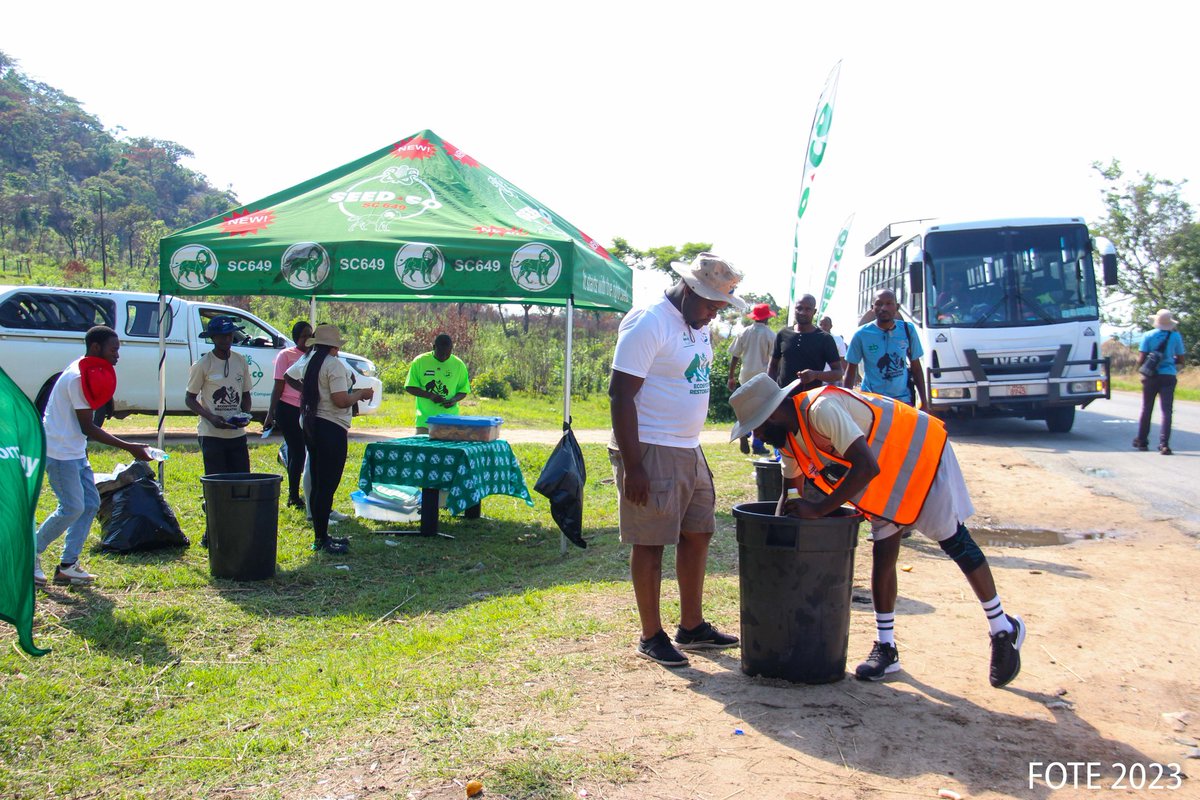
(137, 371)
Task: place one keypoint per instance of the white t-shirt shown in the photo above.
(334, 377)
(64, 438)
(219, 385)
(753, 346)
(673, 359)
(841, 346)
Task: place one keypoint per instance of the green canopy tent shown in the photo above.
(416, 221)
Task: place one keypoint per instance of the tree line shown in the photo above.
(71, 189)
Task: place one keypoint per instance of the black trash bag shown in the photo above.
(133, 513)
(562, 481)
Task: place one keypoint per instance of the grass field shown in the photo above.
(1188, 387)
(166, 682)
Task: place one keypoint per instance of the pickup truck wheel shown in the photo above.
(1060, 419)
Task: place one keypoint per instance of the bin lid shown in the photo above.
(470, 422)
(241, 477)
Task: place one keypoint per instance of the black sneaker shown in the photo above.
(658, 648)
(1006, 653)
(745, 446)
(328, 545)
(884, 659)
(704, 637)
(1138, 444)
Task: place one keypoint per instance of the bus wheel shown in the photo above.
(1060, 419)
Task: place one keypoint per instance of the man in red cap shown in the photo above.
(751, 351)
(84, 386)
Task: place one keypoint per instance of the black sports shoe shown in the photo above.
(1006, 653)
(658, 648)
(331, 546)
(884, 659)
(745, 446)
(703, 637)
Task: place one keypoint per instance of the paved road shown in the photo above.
(1097, 453)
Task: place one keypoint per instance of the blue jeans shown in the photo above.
(78, 501)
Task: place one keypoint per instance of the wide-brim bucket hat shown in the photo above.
(754, 401)
(711, 277)
(219, 325)
(328, 335)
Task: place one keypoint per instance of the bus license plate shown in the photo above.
(1017, 390)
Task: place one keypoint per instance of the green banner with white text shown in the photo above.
(22, 462)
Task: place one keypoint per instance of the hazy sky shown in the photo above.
(659, 122)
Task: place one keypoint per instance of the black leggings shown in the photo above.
(287, 420)
(326, 459)
(222, 456)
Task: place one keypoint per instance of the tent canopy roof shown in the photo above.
(416, 221)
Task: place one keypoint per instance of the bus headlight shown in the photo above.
(1087, 387)
(949, 394)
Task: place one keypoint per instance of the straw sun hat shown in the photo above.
(754, 401)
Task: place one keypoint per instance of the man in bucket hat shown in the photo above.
(218, 392)
(84, 386)
(659, 392)
(894, 464)
(749, 354)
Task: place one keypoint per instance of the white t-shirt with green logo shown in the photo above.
(674, 359)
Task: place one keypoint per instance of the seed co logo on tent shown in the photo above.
(419, 266)
(374, 203)
(305, 265)
(535, 267)
(194, 266)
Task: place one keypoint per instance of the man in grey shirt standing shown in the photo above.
(751, 350)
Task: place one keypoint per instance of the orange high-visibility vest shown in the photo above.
(907, 444)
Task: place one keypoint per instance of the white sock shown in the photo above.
(997, 619)
(885, 627)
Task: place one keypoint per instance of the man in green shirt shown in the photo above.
(438, 380)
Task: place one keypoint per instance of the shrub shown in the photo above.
(489, 384)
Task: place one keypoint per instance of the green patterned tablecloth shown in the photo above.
(468, 471)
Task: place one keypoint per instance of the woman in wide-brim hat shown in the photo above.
(327, 398)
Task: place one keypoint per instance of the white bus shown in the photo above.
(1007, 311)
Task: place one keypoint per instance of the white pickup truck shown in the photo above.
(42, 329)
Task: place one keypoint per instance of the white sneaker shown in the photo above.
(39, 577)
(73, 575)
(337, 516)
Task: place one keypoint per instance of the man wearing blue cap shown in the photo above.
(218, 391)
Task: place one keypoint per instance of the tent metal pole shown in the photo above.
(162, 375)
(312, 312)
(562, 537)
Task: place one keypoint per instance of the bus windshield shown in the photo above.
(1013, 276)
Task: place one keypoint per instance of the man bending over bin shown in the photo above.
(894, 464)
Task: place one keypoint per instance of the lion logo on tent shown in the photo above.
(194, 266)
(305, 265)
(535, 267)
(419, 266)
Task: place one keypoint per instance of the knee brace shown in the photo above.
(962, 548)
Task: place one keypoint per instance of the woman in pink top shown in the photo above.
(284, 412)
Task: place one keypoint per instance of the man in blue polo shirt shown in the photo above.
(890, 352)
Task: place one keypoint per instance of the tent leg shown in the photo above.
(562, 537)
(162, 375)
(312, 312)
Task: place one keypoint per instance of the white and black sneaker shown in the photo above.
(73, 575)
(39, 577)
(884, 659)
(1006, 653)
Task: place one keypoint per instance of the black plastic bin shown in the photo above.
(243, 524)
(796, 577)
(769, 479)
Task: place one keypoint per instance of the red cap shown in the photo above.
(761, 311)
(99, 380)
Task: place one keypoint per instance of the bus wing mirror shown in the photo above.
(1109, 259)
(916, 273)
